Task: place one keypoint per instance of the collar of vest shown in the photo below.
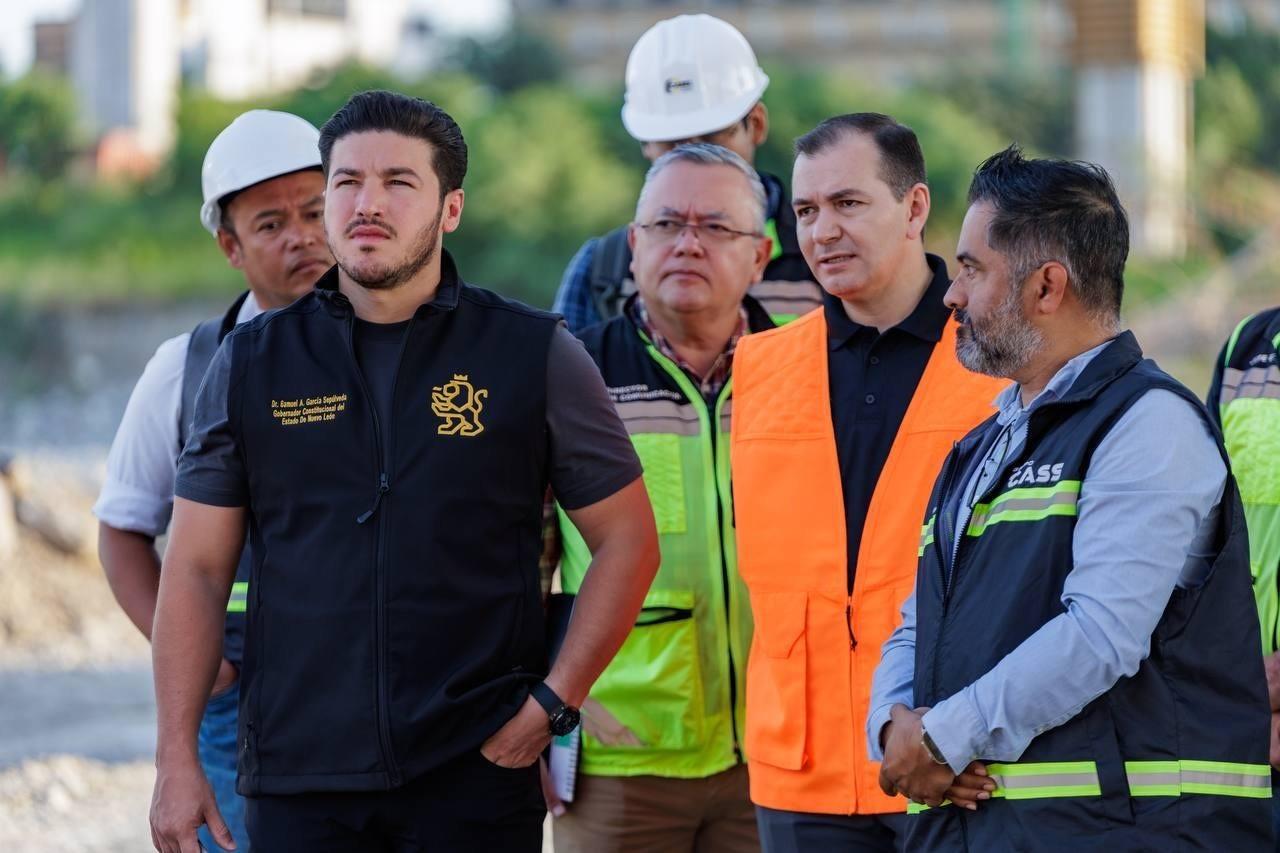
(446, 298)
(758, 319)
(233, 313)
(1117, 359)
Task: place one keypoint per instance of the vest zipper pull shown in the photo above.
(848, 623)
(383, 488)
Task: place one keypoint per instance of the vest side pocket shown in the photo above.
(650, 696)
(776, 676)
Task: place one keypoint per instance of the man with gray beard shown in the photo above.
(1080, 657)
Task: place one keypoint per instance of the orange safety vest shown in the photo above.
(808, 682)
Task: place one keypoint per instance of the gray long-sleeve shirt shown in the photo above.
(1146, 517)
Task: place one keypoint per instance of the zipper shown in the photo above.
(848, 622)
(650, 616)
(711, 430)
(939, 536)
(381, 464)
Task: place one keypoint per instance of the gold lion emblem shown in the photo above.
(457, 403)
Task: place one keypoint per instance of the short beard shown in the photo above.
(421, 251)
(1003, 344)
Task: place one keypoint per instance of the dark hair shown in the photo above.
(413, 117)
(901, 160)
(1057, 210)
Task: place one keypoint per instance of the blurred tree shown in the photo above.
(1228, 119)
(1254, 54)
(514, 59)
(37, 125)
(1035, 110)
(542, 179)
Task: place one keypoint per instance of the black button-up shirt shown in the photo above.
(872, 378)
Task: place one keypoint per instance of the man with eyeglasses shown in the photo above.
(661, 755)
(692, 78)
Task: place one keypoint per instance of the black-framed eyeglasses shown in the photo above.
(667, 230)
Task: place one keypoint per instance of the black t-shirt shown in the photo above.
(872, 378)
(378, 352)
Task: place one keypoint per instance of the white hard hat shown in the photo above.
(258, 146)
(689, 76)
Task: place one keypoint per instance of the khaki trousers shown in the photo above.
(653, 814)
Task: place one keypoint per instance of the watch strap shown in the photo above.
(546, 697)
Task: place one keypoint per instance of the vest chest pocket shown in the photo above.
(650, 695)
(776, 675)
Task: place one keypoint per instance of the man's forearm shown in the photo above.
(186, 652)
(132, 567)
(604, 613)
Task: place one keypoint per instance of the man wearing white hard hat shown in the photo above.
(264, 203)
(692, 78)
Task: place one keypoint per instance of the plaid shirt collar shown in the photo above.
(720, 371)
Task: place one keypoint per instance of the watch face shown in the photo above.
(564, 720)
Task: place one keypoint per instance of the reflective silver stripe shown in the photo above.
(1254, 383)
(1026, 504)
(1188, 776)
(661, 416)
(795, 297)
(1234, 780)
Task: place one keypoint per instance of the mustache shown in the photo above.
(361, 222)
(962, 317)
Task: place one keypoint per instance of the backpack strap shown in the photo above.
(610, 280)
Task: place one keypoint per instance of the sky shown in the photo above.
(19, 15)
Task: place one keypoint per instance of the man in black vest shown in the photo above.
(1081, 650)
(692, 78)
(264, 203)
(388, 440)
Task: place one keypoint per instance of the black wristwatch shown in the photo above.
(562, 718)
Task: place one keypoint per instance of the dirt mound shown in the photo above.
(55, 606)
(67, 804)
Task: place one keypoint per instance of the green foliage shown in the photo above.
(37, 125)
(512, 60)
(953, 141)
(1252, 57)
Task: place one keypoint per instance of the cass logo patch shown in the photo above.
(457, 403)
(1030, 474)
(308, 410)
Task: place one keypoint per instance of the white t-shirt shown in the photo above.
(138, 492)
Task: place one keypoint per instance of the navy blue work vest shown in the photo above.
(203, 343)
(395, 613)
(1172, 758)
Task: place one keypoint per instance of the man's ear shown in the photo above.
(229, 243)
(1049, 286)
(919, 203)
(758, 124)
(451, 212)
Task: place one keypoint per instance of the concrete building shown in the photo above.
(52, 43)
(124, 67)
(882, 41)
(128, 59)
(1135, 61)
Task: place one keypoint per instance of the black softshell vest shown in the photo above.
(395, 610)
(1195, 710)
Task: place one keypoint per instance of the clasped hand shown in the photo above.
(910, 770)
